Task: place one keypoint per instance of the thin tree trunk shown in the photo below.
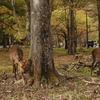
(87, 31)
(71, 39)
(28, 19)
(71, 34)
(98, 8)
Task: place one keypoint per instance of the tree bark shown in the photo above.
(98, 8)
(41, 51)
(71, 34)
(28, 19)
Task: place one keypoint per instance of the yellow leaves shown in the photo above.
(55, 16)
(3, 10)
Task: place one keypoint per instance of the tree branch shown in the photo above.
(5, 23)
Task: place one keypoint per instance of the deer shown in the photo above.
(16, 56)
(96, 59)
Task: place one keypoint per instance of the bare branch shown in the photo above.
(7, 24)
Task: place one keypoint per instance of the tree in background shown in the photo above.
(28, 19)
(12, 17)
(98, 8)
(71, 33)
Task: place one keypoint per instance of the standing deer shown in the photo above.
(96, 59)
(16, 55)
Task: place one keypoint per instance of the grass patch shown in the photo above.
(78, 50)
(59, 50)
(7, 69)
(82, 71)
(84, 50)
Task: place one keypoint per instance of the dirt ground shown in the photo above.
(78, 86)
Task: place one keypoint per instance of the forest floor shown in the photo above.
(79, 86)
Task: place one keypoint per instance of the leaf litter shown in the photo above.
(77, 86)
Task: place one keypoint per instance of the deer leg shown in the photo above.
(14, 70)
(98, 72)
(93, 66)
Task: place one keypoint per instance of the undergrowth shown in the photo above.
(74, 88)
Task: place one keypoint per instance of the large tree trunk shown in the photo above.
(41, 51)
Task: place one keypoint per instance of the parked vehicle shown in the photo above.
(90, 43)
